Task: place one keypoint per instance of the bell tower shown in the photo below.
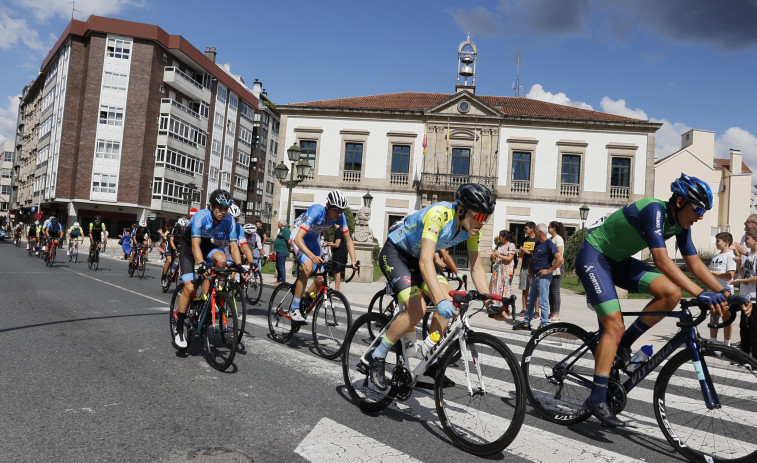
(466, 66)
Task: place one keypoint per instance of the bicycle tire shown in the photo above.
(71, 254)
(31, 248)
(281, 327)
(254, 288)
(356, 372)
(221, 337)
(553, 393)
(727, 433)
(172, 311)
(76, 254)
(239, 307)
(131, 268)
(141, 269)
(487, 421)
(384, 305)
(96, 260)
(165, 283)
(332, 319)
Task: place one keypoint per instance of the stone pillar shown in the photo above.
(364, 253)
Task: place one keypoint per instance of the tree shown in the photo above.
(571, 249)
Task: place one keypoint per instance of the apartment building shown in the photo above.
(265, 147)
(7, 150)
(128, 122)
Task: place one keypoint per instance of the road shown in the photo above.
(89, 374)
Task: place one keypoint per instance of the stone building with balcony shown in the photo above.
(541, 160)
(128, 122)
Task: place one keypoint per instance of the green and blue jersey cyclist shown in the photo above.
(407, 261)
(96, 232)
(605, 261)
(203, 241)
(75, 232)
(306, 245)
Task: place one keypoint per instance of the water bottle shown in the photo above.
(639, 358)
(429, 343)
(409, 343)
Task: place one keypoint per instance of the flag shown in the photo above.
(424, 143)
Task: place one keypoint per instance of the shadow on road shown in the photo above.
(36, 325)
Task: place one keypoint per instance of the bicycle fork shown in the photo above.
(709, 393)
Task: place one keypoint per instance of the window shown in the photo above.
(178, 161)
(8, 156)
(6, 190)
(240, 183)
(182, 131)
(5, 173)
(521, 166)
(115, 81)
(221, 94)
(169, 190)
(245, 136)
(104, 183)
(460, 161)
(165, 58)
(620, 172)
(571, 169)
(233, 101)
(3, 206)
(119, 48)
(228, 153)
(400, 159)
(243, 159)
(111, 115)
(353, 157)
(308, 148)
(107, 149)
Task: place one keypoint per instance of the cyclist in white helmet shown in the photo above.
(305, 242)
(173, 242)
(74, 233)
(141, 236)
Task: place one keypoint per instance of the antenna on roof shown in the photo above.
(516, 85)
(73, 8)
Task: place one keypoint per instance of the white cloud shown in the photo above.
(477, 20)
(740, 139)
(8, 119)
(46, 9)
(668, 137)
(537, 92)
(13, 30)
(619, 108)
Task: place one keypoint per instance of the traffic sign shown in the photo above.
(192, 212)
(33, 209)
(38, 216)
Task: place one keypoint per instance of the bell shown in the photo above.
(466, 71)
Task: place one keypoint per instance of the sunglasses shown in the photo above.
(337, 209)
(481, 218)
(699, 210)
(225, 203)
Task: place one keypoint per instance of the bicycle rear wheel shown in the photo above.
(384, 305)
(332, 319)
(172, 315)
(557, 386)
(76, 253)
(239, 307)
(281, 326)
(724, 433)
(487, 420)
(96, 260)
(254, 288)
(358, 347)
(141, 269)
(221, 337)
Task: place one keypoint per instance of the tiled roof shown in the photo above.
(726, 164)
(509, 106)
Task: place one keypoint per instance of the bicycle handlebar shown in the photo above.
(734, 305)
(332, 266)
(465, 297)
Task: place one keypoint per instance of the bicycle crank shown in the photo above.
(402, 383)
(616, 396)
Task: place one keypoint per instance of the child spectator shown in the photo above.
(748, 283)
(723, 267)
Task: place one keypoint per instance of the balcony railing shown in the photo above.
(619, 192)
(351, 176)
(569, 189)
(520, 186)
(180, 107)
(450, 182)
(398, 179)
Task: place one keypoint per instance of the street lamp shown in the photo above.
(367, 200)
(584, 212)
(188, 195)
(294, 153)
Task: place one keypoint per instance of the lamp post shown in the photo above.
(296, 162)
(189, 195)
(584, 212)
(367, 200)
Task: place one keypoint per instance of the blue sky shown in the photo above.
(684, 63)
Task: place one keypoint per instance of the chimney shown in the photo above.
(257, 87)
(735, 161)
(264, 93)
(210, 52)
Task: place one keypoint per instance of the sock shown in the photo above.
(599, 389)
(633, 333)
(180, 317)
(727, 342)
(295, 303)
(383, 348)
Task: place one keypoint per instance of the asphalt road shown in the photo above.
(89, 374)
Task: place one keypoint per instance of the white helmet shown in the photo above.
(76, 225)
(235, 211)
(36, 222)
(250, 228)
(182, 222)
(143, 223)
(337, 199)
(21, 223)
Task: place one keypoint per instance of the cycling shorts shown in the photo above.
(403, 272)
(599, 275)
(311, 243)
(97, 236)
(187, 261)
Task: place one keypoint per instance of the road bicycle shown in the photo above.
(332, 315)
(253, 286)
(479, 390)
(140, 261)
(705, 397)
(173, 275)
(32, 243)
(213, 318)
(94, 257)
(73, 251)
(52, 249)
(17, 240)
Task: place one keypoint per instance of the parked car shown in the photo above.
(2, 234)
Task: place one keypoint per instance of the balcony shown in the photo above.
(450, 182)
(185, 84)
(569, 189)
(351, 176)
(398, 179)
(170, 106)
(619, 192)
(520, 186)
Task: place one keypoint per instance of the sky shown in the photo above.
(683, 63)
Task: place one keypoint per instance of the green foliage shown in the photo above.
(571, 249)
(350, 216)
(376, 251)
(272, 106)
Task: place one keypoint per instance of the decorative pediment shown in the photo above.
(463, 104)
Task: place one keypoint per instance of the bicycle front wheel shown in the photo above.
(485, 408)
(254, 288)
(358, 348)
(141, 269)
(96, 260)
(221, 337)
(332, 319)
(279, 324)
(239, 308)
(76, 253)
(727, 432)
(173, 318)
(558, 386)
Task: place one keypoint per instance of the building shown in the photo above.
(265, 147)
(730, 180)
(542, 160)
(6, 177)
(128, 122)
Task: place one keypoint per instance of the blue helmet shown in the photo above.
(695, 191)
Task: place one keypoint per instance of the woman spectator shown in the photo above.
(126, 243)
(502, 270)
(557, 235)
(339, 254)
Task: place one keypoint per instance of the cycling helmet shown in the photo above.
(54, 220)
(76, 225)
(20, 223)
(475, 197)
(250, 228)
(36, 222)
(221, 197)
(235, 211)
(694, 191)
(98, 219)
(337, 199)
(182, 222)
(143, 223)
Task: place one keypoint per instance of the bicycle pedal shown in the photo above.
(424, 385)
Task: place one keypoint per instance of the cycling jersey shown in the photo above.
(92, 226)
(437, 222)
(141, 234)
(75, 232)
(201, 226)
(31, 231)
(313, 221)
(57, 228)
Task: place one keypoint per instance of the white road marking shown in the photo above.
(115, 286)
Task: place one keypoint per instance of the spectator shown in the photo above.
(557, 236)
(741, 248)
(281, 248)
(524, 254)
(126, 243)
(338, 254)
(502, 270)
(747, 265)
(723, 267)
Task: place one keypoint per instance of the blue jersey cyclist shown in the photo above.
(203, 240)
(407, 261)
(54, 229)
(74, 233)
(605, 261)
(306, 245)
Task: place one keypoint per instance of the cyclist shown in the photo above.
(96, 231)
(202, 241)
(54, 231)
(31, 235)
(244, 250)
(171, 251)
(306, 243)
(74, 233)
(605, 261)
(18, 231)
(252, 238)
(407, 261)
(140, 237)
